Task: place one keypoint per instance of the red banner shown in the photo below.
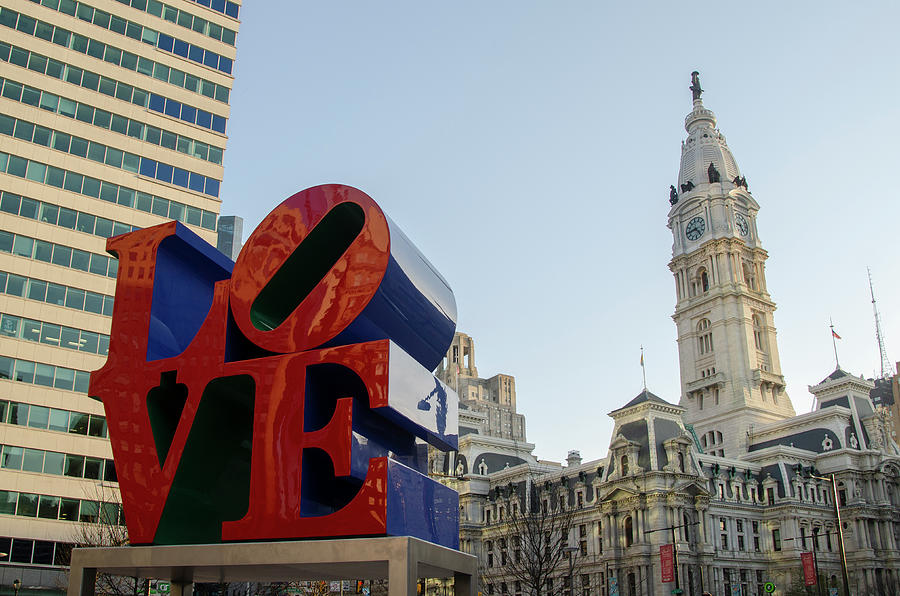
(667, 562)
(809, 569)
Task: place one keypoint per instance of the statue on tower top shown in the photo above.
(695, 85)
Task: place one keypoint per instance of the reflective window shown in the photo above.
(23, 371)
(97, 152)
(125, 196)
(138, 97)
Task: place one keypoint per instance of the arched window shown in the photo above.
(758, 333)
(624, 465)
(629, 531)
(704, 337)
(700, 282)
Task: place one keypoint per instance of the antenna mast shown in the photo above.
(886, 369)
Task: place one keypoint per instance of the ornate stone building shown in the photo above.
(731, 475)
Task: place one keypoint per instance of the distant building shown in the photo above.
(494, 397)
(739, 480)
(229, 232)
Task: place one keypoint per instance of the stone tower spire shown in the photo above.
(730, 369)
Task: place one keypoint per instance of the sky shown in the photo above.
(527, 149)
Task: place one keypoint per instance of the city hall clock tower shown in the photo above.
(731, 375)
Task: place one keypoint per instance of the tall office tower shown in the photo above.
(112, 118)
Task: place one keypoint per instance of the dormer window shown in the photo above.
(624, 465)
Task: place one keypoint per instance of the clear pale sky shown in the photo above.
(527, 149)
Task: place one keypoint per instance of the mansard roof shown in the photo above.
(838, 373)
(645, 396)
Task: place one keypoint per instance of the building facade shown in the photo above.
(730, 475)
(112, 118)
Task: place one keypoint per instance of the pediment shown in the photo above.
(618, 493)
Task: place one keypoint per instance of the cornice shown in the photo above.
(838, 414)
(724, 245)
(757, 300)
(644, 407)
(835, 385)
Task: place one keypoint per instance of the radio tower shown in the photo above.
(886, 369)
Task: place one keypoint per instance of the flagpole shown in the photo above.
(834, 344)
(643, 368)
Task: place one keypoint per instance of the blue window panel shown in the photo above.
(218, 124)
(188, 113)
(212, 187)
(165, 42)
(181, 48)
(204, 119)
(180, 177)
(225, 64)
(231, 9)
(148, 167)
(164, 172)
(157, 102)
(203, 3)
(218, 5)
(173, 108)
(211, 59)
(196, 182)
(196, 54)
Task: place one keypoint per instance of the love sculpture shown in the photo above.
(280, 397)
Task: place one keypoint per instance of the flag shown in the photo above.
(642, 359)
(835, 335)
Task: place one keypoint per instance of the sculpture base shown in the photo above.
(400, 560)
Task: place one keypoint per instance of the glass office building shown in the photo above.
(112, 118)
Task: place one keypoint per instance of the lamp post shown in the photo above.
(812, 473)
(570, 551)
(672, 528)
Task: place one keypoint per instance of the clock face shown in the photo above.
(741, 222)
(695, 228)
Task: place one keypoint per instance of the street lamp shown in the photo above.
(570, 551)
(812, 473)
(672, 528)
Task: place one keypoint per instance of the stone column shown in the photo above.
(862, 533)
(879, 539)
(701, 526)
(607, 531)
